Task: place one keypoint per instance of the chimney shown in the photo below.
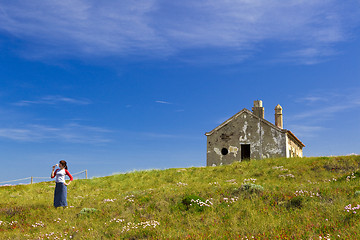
(278, 116)
(258, 109)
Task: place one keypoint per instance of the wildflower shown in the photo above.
(130, 198)
(129, 225)
(38, 224)
(253, 180)
(306, 193)
(117, 220)
(349, 208)
(214, 183)
(181, 184)
(231, 180)
(281, 168)
(207, 202)
(287, 175)
(331, 180)
(231, 200)
(109, 200)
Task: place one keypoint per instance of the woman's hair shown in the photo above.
(63, 162)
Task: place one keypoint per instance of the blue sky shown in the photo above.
(117, 86)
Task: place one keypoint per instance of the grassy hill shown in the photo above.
(298, 198)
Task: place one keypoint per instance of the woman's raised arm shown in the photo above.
(52, 172)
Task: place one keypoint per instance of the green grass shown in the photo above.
(298, 198)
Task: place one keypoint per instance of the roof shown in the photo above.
(261, 119)
(295, 138)
(237, 115)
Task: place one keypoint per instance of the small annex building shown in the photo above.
(247, 135)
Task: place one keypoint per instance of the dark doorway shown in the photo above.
(245, 151)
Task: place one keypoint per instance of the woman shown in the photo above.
(61, 186)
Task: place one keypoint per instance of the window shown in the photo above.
(224, 151)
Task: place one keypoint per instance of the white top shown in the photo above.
(60, 175)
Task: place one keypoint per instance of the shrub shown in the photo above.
(195, 202)
(350, 176)
(86, 211)
(296, 202)
(252, 188)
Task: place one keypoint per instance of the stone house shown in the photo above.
(247, 135)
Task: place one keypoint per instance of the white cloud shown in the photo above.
(312, 99)
(309, 56)
(306, 130)
(51, 100)
(162, 102)
(352, 154)
(85, 27)
(73, 133)
(159, 135)
(153, 135)
(325, 103)
(161, 28)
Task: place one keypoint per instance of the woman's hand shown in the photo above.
(66, 184)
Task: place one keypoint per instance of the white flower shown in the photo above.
(181, 184)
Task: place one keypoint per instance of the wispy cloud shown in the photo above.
(163, 102)
(82, 27)
(73, 133)
(312, 99)
(322, 106)
(52, 100)
(154, 135)
(309, 56)
(163, 28)
(325, 103)
(306, 130)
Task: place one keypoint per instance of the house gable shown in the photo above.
(239, 114)
(247, 135)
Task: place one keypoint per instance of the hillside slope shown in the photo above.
(298, 198)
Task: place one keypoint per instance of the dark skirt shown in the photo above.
(60, 195)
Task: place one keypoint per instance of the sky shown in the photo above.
(117, 86)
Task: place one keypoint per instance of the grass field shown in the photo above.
(298, 198)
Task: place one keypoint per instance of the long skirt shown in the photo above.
(60, 195)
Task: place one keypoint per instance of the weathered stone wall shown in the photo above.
(273, 142)
(294, 150)
(245, 128)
